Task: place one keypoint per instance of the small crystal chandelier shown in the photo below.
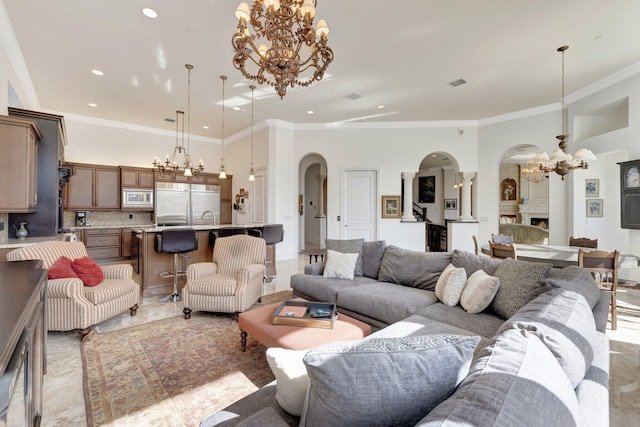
(562, 162)
(170, 166)
(252, 177)
(222, 174)
(282, 32)
(534, 174)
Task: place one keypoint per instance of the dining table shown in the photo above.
(562, 256)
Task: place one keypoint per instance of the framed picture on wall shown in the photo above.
(391, 207)
(591, 188)
(451, 204)
(594, 207)
(427, 189)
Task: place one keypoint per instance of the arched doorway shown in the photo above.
(312, 202)
(524, 197)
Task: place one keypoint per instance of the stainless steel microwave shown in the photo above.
(137, 198)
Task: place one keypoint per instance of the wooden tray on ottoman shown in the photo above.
(305, 313)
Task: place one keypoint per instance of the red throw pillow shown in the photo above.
(90, 272)
(61, 269)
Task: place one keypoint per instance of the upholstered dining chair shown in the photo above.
(502, 238)
(72, 305)
(475, 244)
(583, 242)
(502, 250)
(603, 266)
(232, 282)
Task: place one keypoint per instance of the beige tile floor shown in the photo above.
(64, 398)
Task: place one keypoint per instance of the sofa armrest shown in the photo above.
(65, 288)
(118, 271)
(250, 272)
(601, 310)
(201, 269)
(315, 269)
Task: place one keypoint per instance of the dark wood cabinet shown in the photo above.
(93, 187)
(437, 237)
(136, 177)
(103, 243)
(45, 218)
(226, 200)
(19, 164)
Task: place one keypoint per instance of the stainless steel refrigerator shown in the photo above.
(187, 204)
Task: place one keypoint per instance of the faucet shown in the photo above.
(212, 214)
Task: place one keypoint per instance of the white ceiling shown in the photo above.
(400, 54)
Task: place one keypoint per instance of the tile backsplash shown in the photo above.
(111, 218)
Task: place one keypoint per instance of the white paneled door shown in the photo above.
(259, 197)
(359, 202)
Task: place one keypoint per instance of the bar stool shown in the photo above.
(272, 234)
(176, 242)
(225, 232)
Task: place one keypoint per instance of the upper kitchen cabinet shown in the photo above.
(19, 164)
(136, 177)
(46, 219)
(93, 187)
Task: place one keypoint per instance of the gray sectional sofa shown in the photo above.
(537, 355)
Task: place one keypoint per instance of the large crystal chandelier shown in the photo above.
(562, 162)
(281, 44)
(170, 166)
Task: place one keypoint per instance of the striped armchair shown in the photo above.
(232, 282)
(70, 304)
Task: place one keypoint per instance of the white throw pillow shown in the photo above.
(479, 292)
(291, 378)
(340, 265)
(450, 285)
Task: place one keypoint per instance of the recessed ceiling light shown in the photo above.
(236, 108)
(456, 83)
(205, 127)
(97, 72)
(310, 112)
(91, 104)
(434, 155)
(149, 13)
(380, 107)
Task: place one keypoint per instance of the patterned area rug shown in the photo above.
(171, 372)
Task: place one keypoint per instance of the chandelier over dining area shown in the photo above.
(276, 43)
(561, 162)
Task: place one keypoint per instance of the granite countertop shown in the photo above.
(156, 229)
(21, 243)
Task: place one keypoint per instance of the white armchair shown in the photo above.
(232, 282)
(70, 304)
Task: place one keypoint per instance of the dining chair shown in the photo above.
(475, 244)
(502, 238)
(583, 242)
(502, 250)
(603, 266)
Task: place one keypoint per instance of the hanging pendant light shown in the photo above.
(222, 174)
(251, 171)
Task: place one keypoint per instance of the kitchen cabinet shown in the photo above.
(19, 164)
(226, 201)
(129, 247)
(136, 177)
(46, 219)
(103, 243)
(93, 187)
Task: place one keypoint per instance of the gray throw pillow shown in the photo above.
(394, 381)
(353, 246)
(517, 278)
(577, 279)
(472, 262)
(412, 268)
(515, 381)
(372, 253)
(563, 321)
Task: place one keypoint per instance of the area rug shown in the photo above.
(171, 372)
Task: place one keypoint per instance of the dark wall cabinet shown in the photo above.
(93, 187)
(136, 177)
(44, 218)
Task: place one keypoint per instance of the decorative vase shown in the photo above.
(21, 233)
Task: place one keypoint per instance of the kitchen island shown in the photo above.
(153, 263)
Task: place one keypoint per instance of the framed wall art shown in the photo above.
(591, 188)
(450, 204)
(594, 207)
(427, 189)
(391, 207)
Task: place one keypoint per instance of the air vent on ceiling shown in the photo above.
(354, 95)
(170, 120)
(456, 83)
